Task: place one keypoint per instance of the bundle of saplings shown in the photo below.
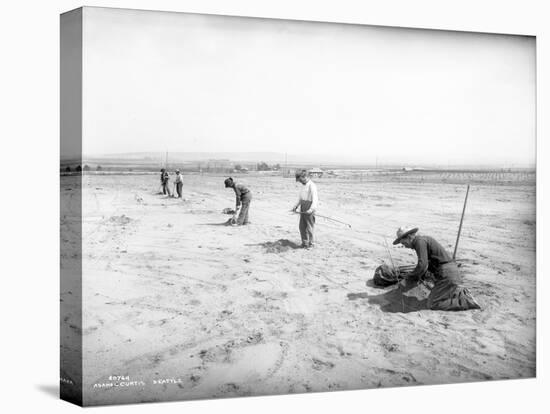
(387, 275)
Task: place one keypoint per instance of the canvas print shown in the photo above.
(263, 206)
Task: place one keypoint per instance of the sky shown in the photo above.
(159, 81)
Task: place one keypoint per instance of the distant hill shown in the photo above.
(157, 159)
(193, 156)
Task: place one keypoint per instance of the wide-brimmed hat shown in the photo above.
(228, 182)
(177, 171)
(404, 232)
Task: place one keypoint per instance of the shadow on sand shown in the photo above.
(225, 223)
(393, 301)
(49, 389)
(278, 246)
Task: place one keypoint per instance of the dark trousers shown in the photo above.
(165, 188)
(245, 206)
(307, 224)
(447, 294)
(179, 189)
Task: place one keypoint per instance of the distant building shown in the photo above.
(316, 172)
(239, 169)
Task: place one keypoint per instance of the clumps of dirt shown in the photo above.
(529, 222)
(120, 220)
(194, 379)
(228, 211)
(225, 313)
(230, 387)
(342, 352)
(279, 246)
(390, 347)
(223, 352)
(255, 338)
(208, 355)
(319, 365)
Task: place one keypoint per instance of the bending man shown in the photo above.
(308, 201)
(447, 294)
(164, 178)
(243, 197)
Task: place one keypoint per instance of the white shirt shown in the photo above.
(308, 192)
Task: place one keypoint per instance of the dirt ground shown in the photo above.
(187, 307)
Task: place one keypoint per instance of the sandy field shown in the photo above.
(183, 307)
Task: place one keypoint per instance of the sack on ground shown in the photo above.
(385, 275)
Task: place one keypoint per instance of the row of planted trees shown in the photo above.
(262, 166)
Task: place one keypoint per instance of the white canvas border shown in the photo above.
(30, 247)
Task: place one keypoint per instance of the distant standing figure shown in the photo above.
(243, 197)
(179, 183)
(447, 294)
(164, 178)
(308, 202)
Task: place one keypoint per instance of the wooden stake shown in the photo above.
(461, 220)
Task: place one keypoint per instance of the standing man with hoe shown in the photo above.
(178, 183)
(308, 202)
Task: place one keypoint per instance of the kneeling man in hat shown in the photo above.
(447, 294)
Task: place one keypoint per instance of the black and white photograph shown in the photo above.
(267, 206)
(278, 206)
